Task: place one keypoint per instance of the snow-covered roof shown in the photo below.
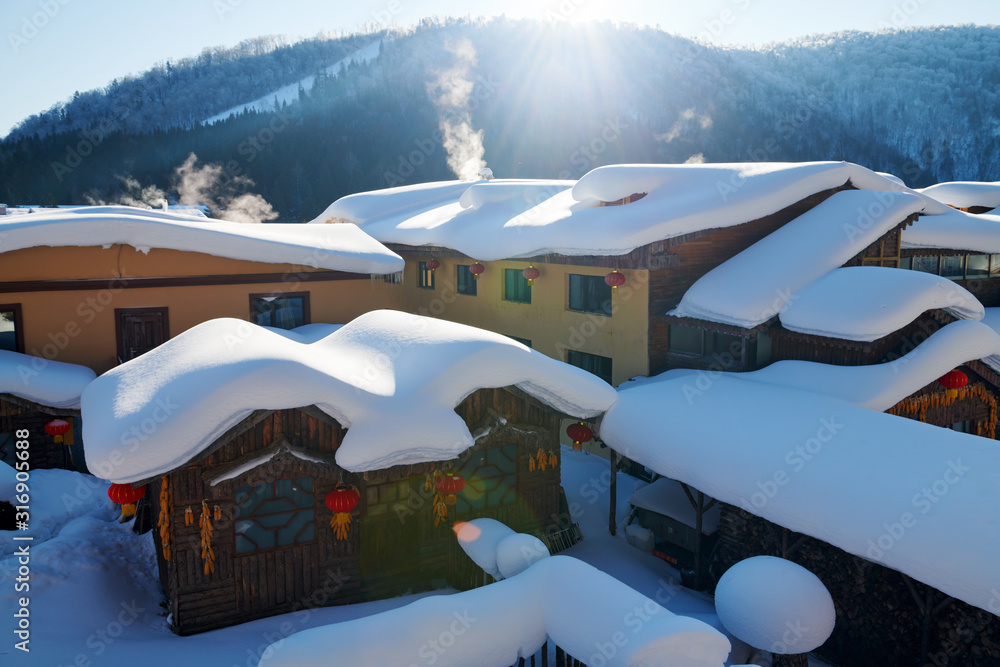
(865, 303)
(52, 383)
(788, 447)
(498, 219)
(764, 279)
(340, 248)
(965, 194)
(955, 230)
(881, 386)
(392, 379)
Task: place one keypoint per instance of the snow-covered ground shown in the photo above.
(95, 597)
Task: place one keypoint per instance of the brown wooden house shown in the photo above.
(263, 485)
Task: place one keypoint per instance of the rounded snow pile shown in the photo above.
(517, 552)
(775, 605)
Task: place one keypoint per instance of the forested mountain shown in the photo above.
(541, 99)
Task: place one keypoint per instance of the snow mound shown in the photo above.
(502, 218)
(392, 379)
(588, 613)
(775, 605)
(479, 539)
(865, 303)
(334, 247)
(761, 281)
(516, 553)
(52, 383)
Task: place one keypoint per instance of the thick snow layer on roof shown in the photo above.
(759, 597)
(965, 194)
(582, 609)
(391, 378)
(666, 496)
(52, 383)
(881, 386)
(509, 218)
(340, 248)
(865, 303)
(955, 230)
(761, 281)
(917, 498)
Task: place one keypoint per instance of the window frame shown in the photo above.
(602, 285)
(422, 273)
(522, 285)
(306, 306)
(464, 280)
(272, 484)
(18, 325)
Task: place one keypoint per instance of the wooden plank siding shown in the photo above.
(385, 555)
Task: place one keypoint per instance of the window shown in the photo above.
(953, 267)
(522, 341)
(11, 331)
(465, 280)
(491, 479)
(977, 266)
(695, 342)
(275, 514)
(994, 266)
(926, 264)
(592, 363)
(687, 340)
(516, 287)
(906, 263)
(425, 277)
(282, 311)
(589, 294)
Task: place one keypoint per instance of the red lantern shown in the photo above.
(579, 434)
(57, 428)
(342, 501)
(450, 486)
(432, 264)
(952, 381)
(477, 270)
(531, 273)
(615, 279)
(127, 497)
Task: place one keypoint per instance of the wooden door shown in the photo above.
(139, 330)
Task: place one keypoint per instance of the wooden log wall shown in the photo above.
(879, 621)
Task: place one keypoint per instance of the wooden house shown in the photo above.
(244, 521)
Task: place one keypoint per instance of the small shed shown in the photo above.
(240, 481)
(670, 510)
(35, 392)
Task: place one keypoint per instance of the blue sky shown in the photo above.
(52, 48)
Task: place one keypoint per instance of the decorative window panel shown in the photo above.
(275, 514)
(490, 479)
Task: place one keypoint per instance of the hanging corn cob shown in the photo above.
(207, 553)
(164, 520)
